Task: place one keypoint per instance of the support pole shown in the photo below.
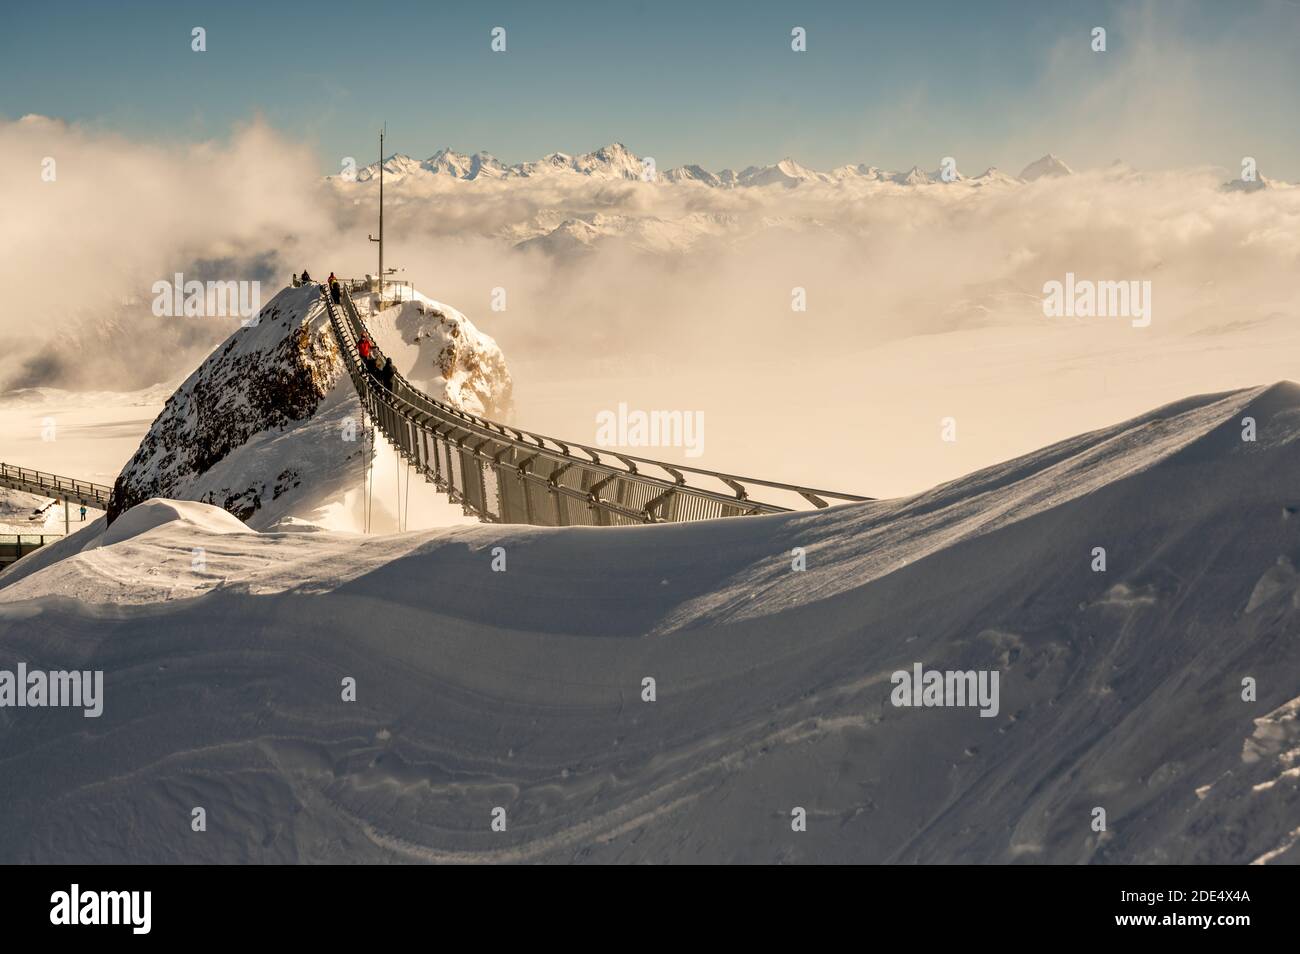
(380, 240)
(66, 529)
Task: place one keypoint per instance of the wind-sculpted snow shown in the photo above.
(523, 690)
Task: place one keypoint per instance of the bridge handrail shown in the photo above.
(42, 480)
(502, 429)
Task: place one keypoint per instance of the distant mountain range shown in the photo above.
(617, 162)
(569, 230)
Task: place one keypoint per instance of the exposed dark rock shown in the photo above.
(266, 377)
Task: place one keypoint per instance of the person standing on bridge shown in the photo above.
(389, 373)
(83, 513)
(376, 365)
(365, 347)
(305, 277)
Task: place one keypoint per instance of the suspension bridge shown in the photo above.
(496, 472)
(84, 493)
(504, 474)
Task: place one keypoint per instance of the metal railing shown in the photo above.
(365, 285)
(504, 474)
(51, 485)
(16, 545)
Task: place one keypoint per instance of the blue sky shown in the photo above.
(991, 83)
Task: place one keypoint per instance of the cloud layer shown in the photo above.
(615, 279)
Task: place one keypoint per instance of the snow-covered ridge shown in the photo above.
(476, 689)
(616, 162)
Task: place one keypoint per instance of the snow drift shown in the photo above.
(524, 690)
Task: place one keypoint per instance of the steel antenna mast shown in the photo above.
(380, 240)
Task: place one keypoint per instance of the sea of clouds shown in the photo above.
(676, 273)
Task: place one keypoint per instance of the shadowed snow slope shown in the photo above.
(522, 689)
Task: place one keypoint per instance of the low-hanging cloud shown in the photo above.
(93, 220)
(599, 272)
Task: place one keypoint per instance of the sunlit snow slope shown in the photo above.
(522, 689)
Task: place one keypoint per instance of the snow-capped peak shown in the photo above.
(913, 176)
(787, 172)
(614, 161)
(397, 166)
(692, 173)
(993, 176)
(254, 429)
(1048, 166)
(859, 171)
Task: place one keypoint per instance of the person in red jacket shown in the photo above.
(364, 348)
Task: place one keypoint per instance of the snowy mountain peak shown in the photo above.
(398, 166)
(993, 176)
(914, 176)
(692, 173)
(614, 161)
(255, 429)
(1048, 166)
(937, 176)
(859, 171)
(787, 173)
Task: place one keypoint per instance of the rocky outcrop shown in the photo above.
(442, 353)
(268, 427)
(265, 377)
